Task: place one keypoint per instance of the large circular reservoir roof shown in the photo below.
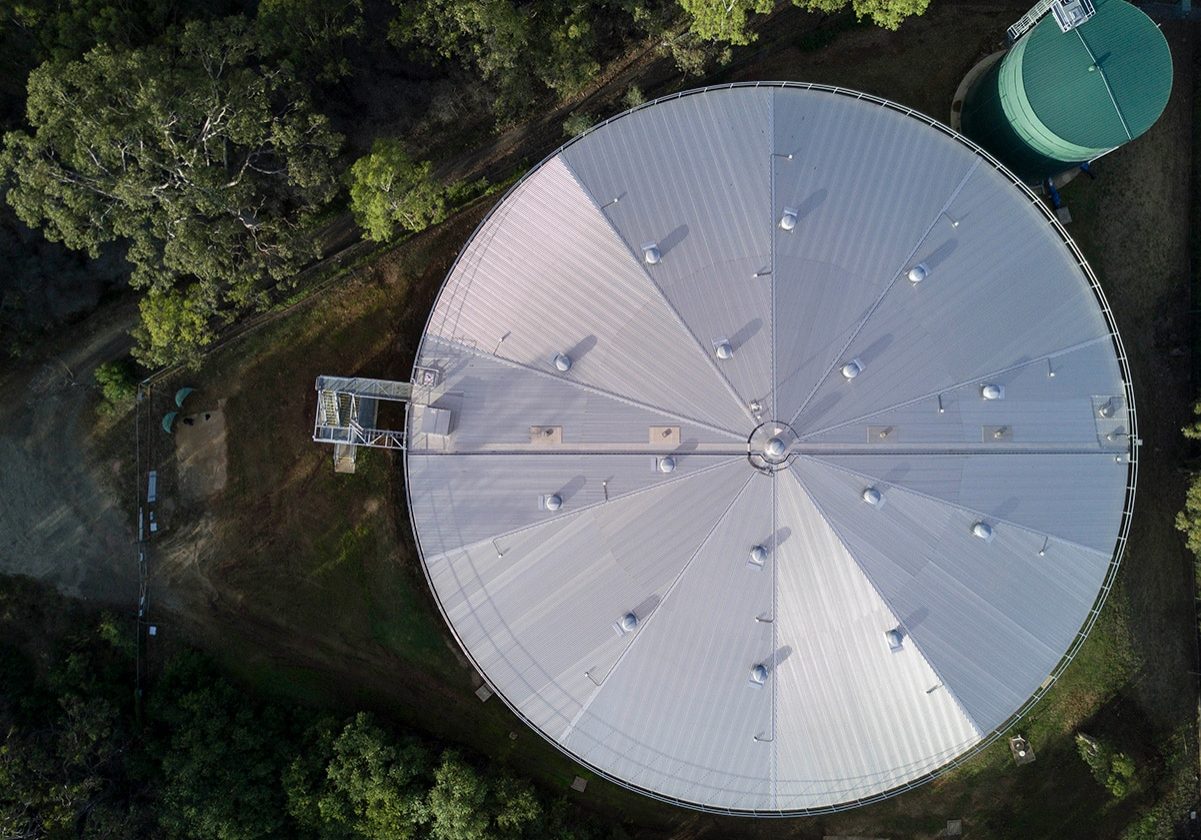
(770, 448)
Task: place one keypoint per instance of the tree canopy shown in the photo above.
(210, 166)
(389, 190)
(725, 21)
(210, 760)
(519, 49)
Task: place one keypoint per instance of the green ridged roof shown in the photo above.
(1103, 108)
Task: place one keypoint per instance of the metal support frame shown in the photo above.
(345, 404)
(1068, 14)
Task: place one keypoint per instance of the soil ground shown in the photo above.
(306, 583)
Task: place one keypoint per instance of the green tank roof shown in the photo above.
(1069, 97)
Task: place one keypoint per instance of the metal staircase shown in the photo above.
(1067, 13)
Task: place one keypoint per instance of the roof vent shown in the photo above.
(775, 448)
(758, 556)
(667, 464)
(895, 637)
(982, 530)
(918, 273)
(651, 253)
(1106, 409)
(759, 674)
(723, 349)
(852, 369)
(629, 621)
(552, 502)
(562, 362)
(873, 497)
(788, 220)
(992, 392)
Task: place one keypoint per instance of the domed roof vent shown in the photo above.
(895, 637)
(992, 391)
(873, 497)
(759, 674)
(758, 556)
(788, 220)
(651, 253)
(553, 502)
(562, 362)
(852, 369)
(629, 621)
(723, 349)
(983, 531)
(775, 448)
(918, 273)
(667, 464)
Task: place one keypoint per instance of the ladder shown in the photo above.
(1068, 14)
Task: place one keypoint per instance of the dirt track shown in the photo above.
(58, 522)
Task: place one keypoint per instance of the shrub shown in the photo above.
(577, 124)
(1114, 770)
(118, 385)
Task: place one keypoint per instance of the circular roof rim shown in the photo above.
(1128, 503)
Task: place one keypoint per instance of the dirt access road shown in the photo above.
(59, 521)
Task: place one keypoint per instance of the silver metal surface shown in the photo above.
(992, 528)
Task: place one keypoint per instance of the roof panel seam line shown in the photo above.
(771, 236)
(575, 512)
(475, 351)
(657, 611)
(880, 300)
(774, 770)
(880, 594)
(962, 384)
(567, 449)
(951, 450)
(709, 358)
(905, 488)
(1105, 81)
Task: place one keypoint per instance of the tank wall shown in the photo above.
(985, 119)
(1025, 122)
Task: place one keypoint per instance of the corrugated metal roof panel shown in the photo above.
(496, 402)
(696, 180)
(547, 275)
(694, 725)
(850, 708)
(851, 160)
(1001, 289)
(991, 618)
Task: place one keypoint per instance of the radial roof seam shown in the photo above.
(594, 389)
(774, 769)
(569, 514)
(706, 352)
(1080, 345)
(658, 608)
(1105, 81)
(899, 273)
(773, 153)
(900, 485)
(884, 600)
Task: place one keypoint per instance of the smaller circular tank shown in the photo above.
(1058, 99)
